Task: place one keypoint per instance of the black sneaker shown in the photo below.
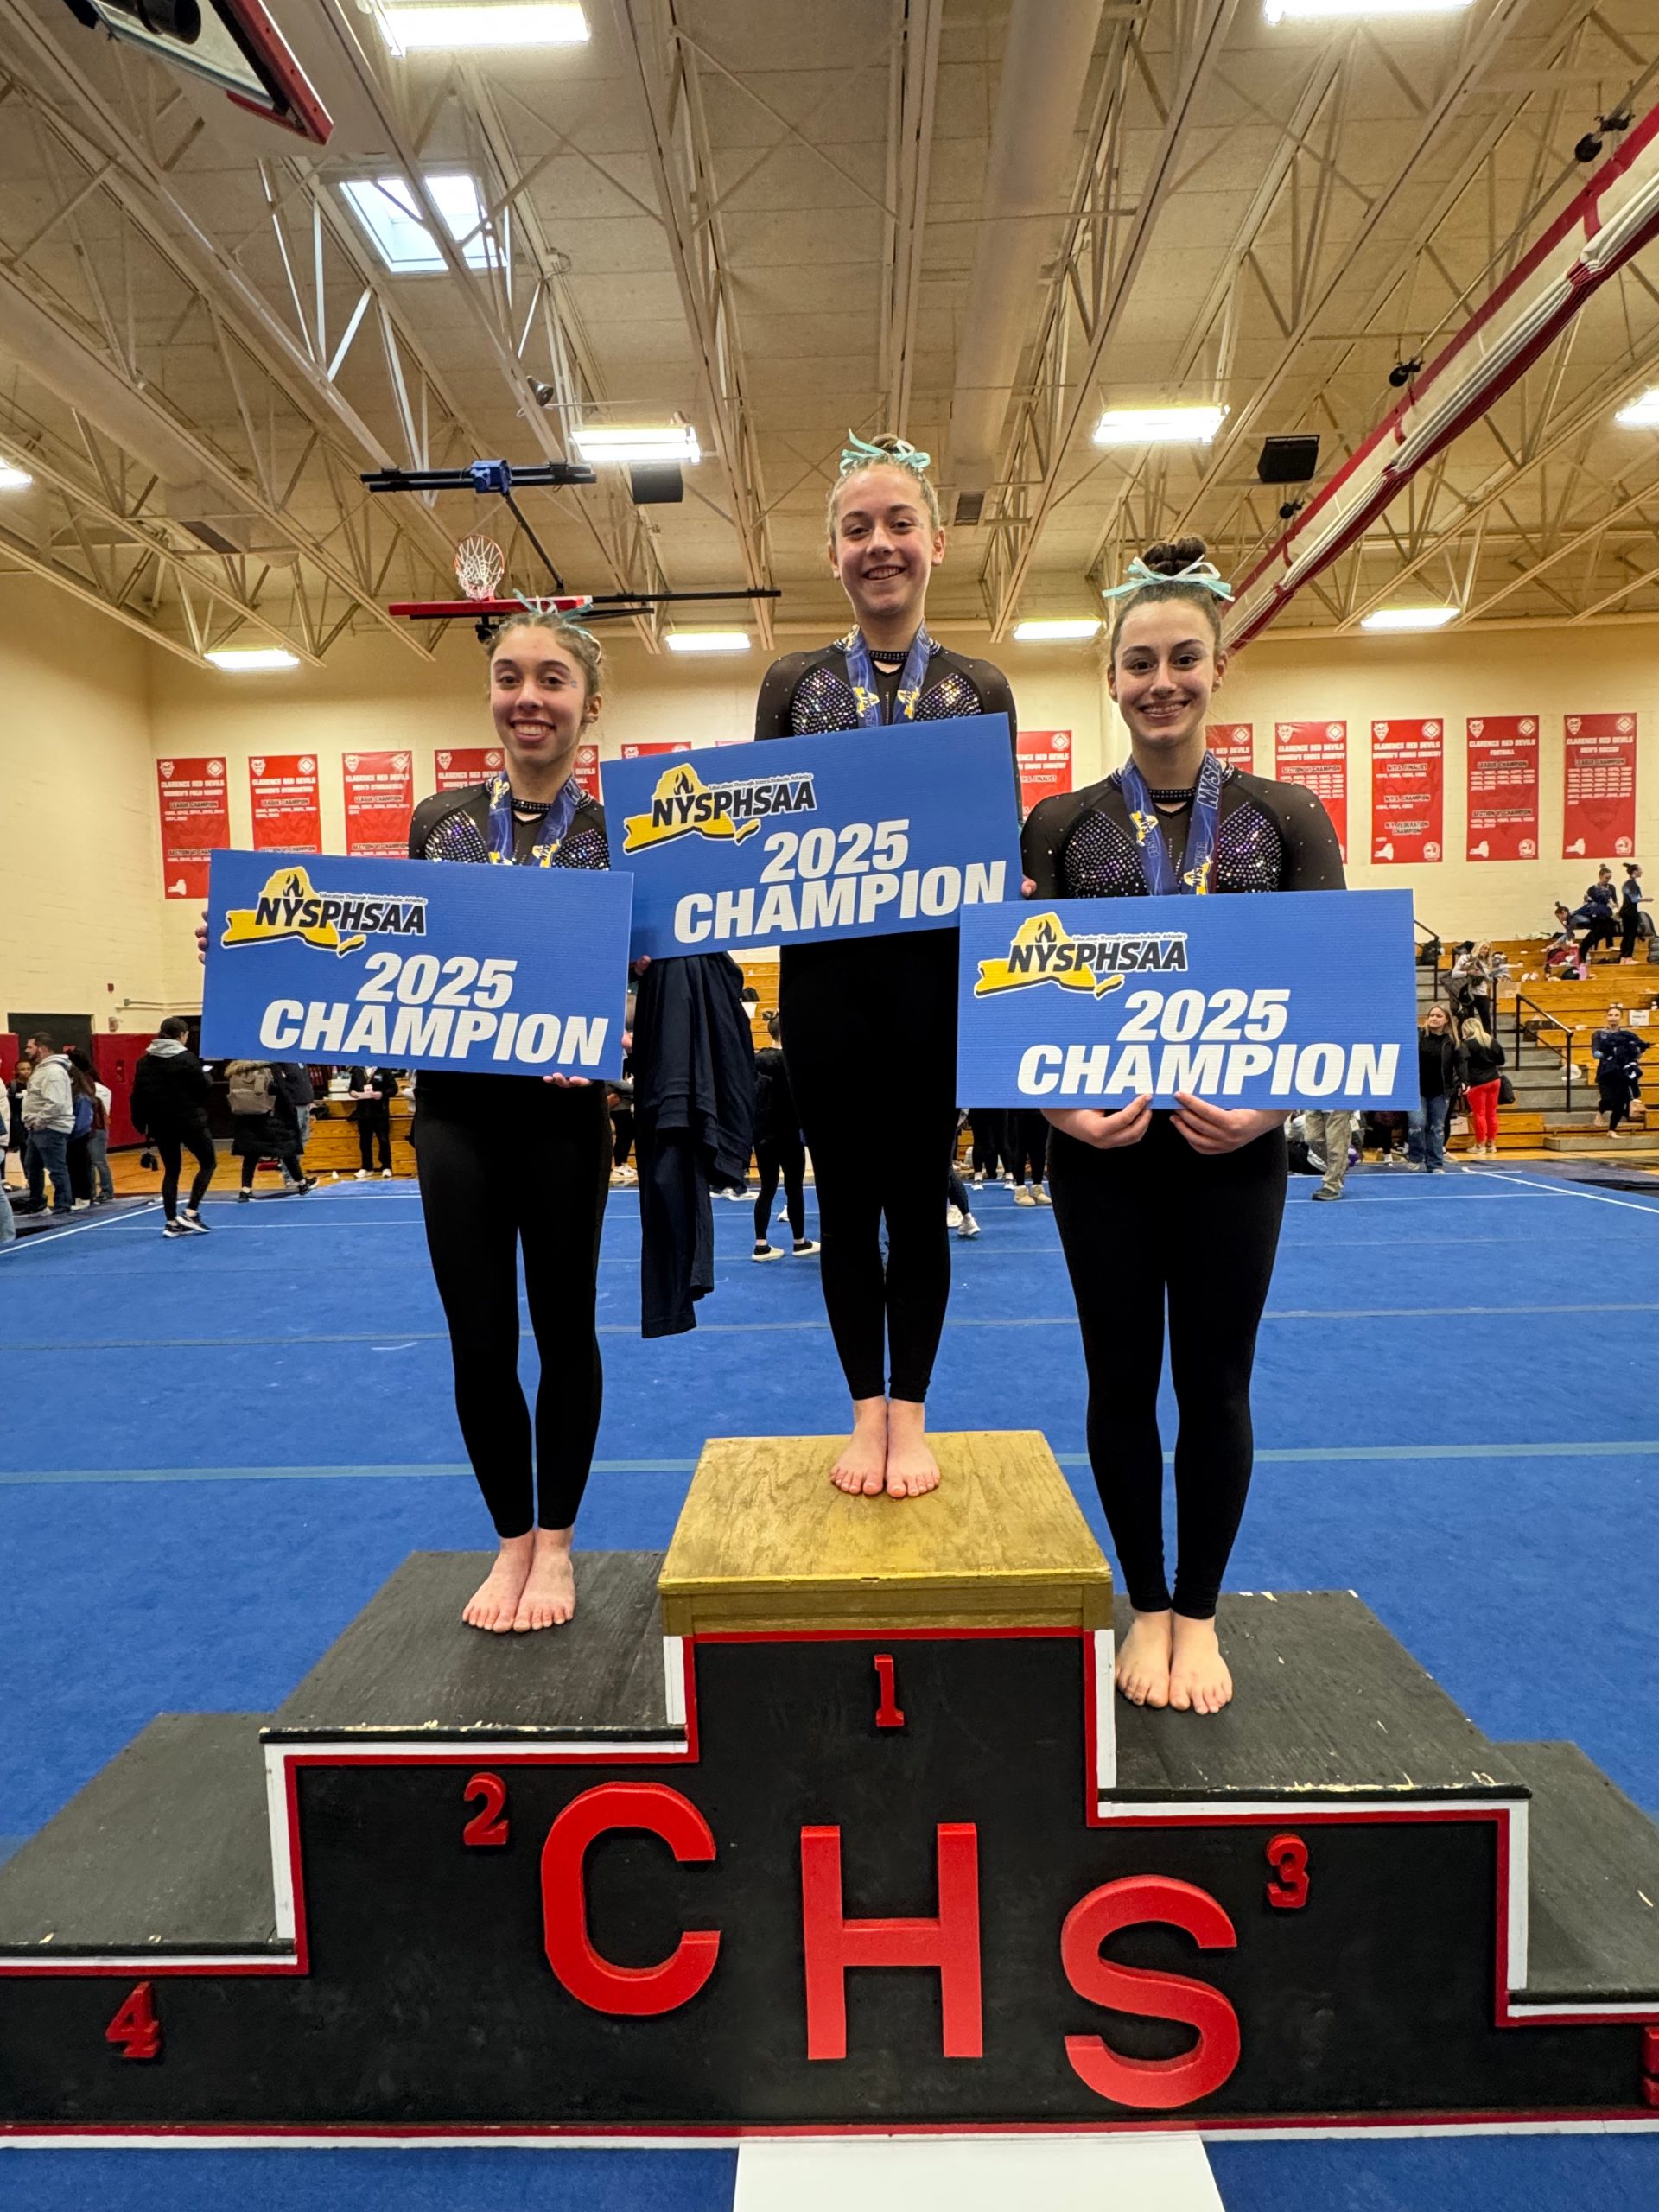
(173, 1230)
(192, 1224)
(245, 1197)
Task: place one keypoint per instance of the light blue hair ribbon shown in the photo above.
(858, 453)
(1205, 573)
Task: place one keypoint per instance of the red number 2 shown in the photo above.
(135, 2027)
(489, 1824)
(1288, 1889)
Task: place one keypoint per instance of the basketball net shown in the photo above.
(480, 565)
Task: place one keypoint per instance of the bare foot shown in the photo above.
(550, 1595)
(1198, 1680)
(912, 1468)
(1142, 1669)
(862, 1465)
(495, 1601)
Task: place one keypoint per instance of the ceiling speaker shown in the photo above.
(1288, 460)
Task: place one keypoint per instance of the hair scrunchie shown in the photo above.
(860, 453)
(1205, 573)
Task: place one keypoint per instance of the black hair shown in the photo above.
(177, 1025)
(44, 1039)
(774, 1027)
(1169, 558)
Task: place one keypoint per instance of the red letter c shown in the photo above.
(590, 1978)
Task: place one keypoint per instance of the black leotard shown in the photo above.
(874, 1156)
(508, 1162)
(1157, 1223)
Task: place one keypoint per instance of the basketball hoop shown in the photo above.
(480, 564)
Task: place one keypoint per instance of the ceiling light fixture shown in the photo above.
(14, 480)
(416, 28)
(1302, 11)
(1641, 413)
(249, 660)
(1409, 617)
(386, 209)
(708, 641)
(1147, 426)
(648, 441)
(1058, 626)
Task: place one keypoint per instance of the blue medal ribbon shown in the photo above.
(556, 823)
(861, 675)
(1197, 874)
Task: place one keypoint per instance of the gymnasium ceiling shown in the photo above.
(781, 218)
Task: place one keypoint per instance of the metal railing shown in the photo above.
(1537, 1019)
(1429, 942)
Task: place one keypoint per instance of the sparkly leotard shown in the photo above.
(1269, 837)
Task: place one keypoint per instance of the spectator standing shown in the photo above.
(989, 1126)
(1483, 1079)
(168, 1108)
(1632, 900)
(16, 1135)
(262, 1125)
(1597, 913)
(100, 1184)
(374, 1088)
(1440, 1077)
(1475, 976)
(778, 1150)
(294, 1081)
(1328, 1138)
(49, 1118)
(8, 1226)
(1618, 1068)
(1026, 1150)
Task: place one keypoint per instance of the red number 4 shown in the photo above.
(1288, 1889)
(135, 2027)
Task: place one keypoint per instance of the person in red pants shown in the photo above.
(1484, 1056)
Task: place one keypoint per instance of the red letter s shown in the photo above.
(1150, 2084)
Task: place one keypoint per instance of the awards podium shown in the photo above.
(829, 1821)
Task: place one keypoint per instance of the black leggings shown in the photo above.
(1600, 932)
(534, 1179)
(880, 1142)
(989, 1125)
(1153, 1223)
(373, 1128)
(784, 1156)
(1613, 1096)
(171, 1150)
(1028, 1145)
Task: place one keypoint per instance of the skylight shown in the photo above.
(387, 210)
(412, 28)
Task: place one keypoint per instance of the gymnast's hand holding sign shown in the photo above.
(1176, 1210)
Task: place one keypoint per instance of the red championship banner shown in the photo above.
(1407, 785)
(195, 818)
(586, 770)
(1045, 765)
(655, 745)
(460, 766)
(1233, 742)
(1315, 754)
(379, 798)
(1503, 809)
(1598, 811)
(286, 806)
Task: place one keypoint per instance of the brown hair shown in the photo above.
(897, 448)
(1169, 559)
(571, 635)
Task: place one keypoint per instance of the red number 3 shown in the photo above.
(135, 2027)
(1288, 1889)
(488, 1825)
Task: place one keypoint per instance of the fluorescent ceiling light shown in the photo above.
(14, 480)
(645, 441)
(708, 641)
(1304, 11)
(416, 28)
(1409, 617)
(387, 211)
(1065, 626)
(1641, 413)
(247, 660)
(1145, 426)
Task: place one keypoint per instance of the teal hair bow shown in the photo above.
(858, 453)
(1205, 573)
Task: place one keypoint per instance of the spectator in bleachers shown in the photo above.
(1483, 1079)
(1597, 913)
(1439, 1078)
(1632, 899)
(1618, 1069)
(1476, 974)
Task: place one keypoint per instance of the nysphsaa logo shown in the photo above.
(683, 805)
(1042, 951)
(333, 921)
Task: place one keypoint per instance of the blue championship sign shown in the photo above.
(1300, 998)
(416, 964)
(851, 833)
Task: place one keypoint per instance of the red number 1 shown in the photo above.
(887, 1712)
(135, 2027)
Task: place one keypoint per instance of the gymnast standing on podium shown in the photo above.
(1177, 1208)
(838, 1002)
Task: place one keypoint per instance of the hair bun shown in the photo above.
(1169, 559)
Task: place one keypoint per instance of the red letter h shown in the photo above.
(833, 1943)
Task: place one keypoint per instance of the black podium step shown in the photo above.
(168, 1847)
(1595, 1887)
(410, 1666)
(1327, 1703)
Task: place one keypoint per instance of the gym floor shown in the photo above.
(220, 1449)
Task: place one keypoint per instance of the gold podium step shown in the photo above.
(767, 1543)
